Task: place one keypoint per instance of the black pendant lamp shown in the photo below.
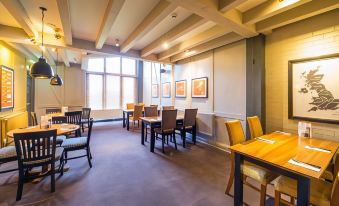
(41, 69)
(56, 80)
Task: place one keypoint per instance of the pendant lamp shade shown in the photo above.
(41, 69)
(57, 81)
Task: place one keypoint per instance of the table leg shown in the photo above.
(142, 132)
(238, 183)
(123, 119)
(127, 120)
(152, 137)
(194, 134)
(303, 191)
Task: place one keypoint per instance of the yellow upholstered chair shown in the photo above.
(137, 113)
(141, 104)
(321, 192)
(130, 106)
(255, 127)
(263, 176)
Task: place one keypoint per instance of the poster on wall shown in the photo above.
(180, 88)
(199, 87)
(7, 88)
(313, 89)
(155, 90)
(166, 89)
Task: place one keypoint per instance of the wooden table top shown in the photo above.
(61, 129)
(288, 147)
(55, 115)
(158, 118)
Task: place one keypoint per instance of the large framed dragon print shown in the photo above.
(313, 89)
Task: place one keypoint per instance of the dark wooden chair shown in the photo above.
(86, 115)
(151, 111)
(53, 110)
(188, 124)
(37, 149)
(74, 118)
(34, 119)
(168, 125)
(7, 154)
(59, 120)
(79, 143)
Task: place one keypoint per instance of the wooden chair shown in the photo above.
(59, 120)
(321, 192)
(188, 124)
(74, 118)
(141, 104)
(168, 125)
(79, 143)
(53, 110)
(255, 127)
(7, 154)
(263, 176)
(37, 149)
(167, 107)
(34, 119)
(151, 111)
(130, 106)
(137, 113)
(86, 115)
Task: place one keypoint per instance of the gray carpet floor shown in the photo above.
(126, 173)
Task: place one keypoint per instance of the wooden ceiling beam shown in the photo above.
(111, 13)
(178, 31)
(23, 50)
(17, 10)
(64, 57)
(208, 9)
(157, 14)
(296, 14)
(226, 5)
(215, 43)
(201, 38)
(65, 16)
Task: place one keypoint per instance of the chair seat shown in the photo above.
(257, 173)
(7, 152)
(320, 191)
(160, 131)
(328, 174)
(84, 121)
(74, 142)
(60, 139)
(58, 154)
(180, 127)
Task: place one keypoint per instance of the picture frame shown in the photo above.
(180, 88)
(313, 94)
(7, 88)
(155, 91)
(166, 90)
(200, 87)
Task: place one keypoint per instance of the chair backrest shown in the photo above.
(59, 120)
(130, 105)
(151, 111)
(86, 113)
(34, 119)
(53, 110)
(37, 147)
(335, 187)
(141, 104)
(153, 105)
(167, 107)
(169, 120)
(255, 127)
(235, 132)
(190, 116)
(137, 113)
(73, 117)
(89, 130)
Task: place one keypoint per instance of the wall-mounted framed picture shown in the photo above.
(7, 88)
(313, 91)
(180, 88)
(166, 89)
(155, 91)
(200, 87)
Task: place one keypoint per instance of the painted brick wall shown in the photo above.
(312, 37)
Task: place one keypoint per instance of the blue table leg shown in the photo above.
(238, 184)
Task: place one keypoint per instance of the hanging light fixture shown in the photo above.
(41, 69)
(56, 80)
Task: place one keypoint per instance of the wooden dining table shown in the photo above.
(286, 154)
(126, 113)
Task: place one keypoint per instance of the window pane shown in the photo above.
(128, 66)
(95, 91)
(96, 65)
(128, 93)
(113, 65)
(112, 92)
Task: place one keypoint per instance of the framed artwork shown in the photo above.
(7, 88)
(180, 88)
(155, 91)
(200, 87)
(313, 91)
(166, 89)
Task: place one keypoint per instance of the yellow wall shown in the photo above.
(312, 37)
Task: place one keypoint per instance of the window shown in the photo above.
(111, 82)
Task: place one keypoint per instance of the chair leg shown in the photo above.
(263, 195)
(53, 177)
(163, 143)
(82, 125)
(89, 158)
(231, 177)
(167, 138)
(20, 185)
(175, 141)
(65, 157)
(184, 138)
(276, 198)
(146, 135)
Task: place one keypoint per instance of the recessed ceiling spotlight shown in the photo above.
(174, 15)
(53, 49)
(42, 47)
(165, 45)
(117, 43)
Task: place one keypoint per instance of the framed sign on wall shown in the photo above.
(155, 90)
(166, 89)
(180, 88)
(313, 89)
(200, 87)
(7, 88)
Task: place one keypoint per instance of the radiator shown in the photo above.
(14, 121)
(205, 123)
